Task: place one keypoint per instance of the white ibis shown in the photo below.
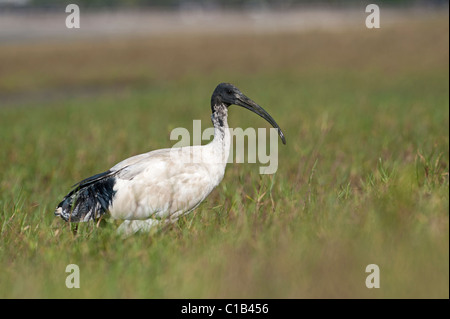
(160, 185)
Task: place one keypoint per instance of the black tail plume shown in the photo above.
(90, 198)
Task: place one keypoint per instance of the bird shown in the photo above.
(162, 185)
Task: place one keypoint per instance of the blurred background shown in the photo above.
(363, 178)
(40, 19)
(163, 28)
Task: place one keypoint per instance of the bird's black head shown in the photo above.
(227, 94)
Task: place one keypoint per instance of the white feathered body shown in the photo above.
(168, 182)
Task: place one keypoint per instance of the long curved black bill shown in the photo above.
(255, 108)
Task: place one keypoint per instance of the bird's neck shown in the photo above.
(221, 141)
(219, 116)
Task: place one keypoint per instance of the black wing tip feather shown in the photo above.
(89, 199)
(92, 179)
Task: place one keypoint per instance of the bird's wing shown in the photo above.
(136, 159)
(89, 199)
(130, 167)
(161, 185)
(129, 161)
(92, 197)
(92, 179)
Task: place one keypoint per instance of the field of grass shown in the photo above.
(362, 180)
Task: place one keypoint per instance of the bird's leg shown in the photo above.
(168, 221)
(74, 229)
(98, 222)
(130, 227)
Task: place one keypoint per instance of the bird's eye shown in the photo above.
(229, 91)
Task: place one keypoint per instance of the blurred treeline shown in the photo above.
(215, 4)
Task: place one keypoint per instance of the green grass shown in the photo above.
(363, 178)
